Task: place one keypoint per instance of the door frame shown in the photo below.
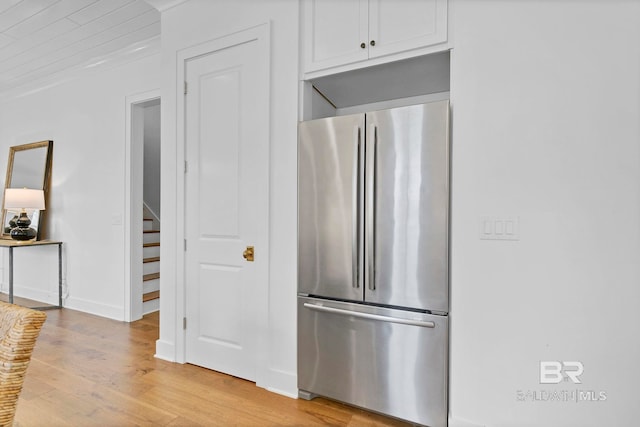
(261, 34)
(133, 198)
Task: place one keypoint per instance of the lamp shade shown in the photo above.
(23, 198)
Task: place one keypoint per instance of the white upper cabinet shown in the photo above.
(335, 30)
(341, 32)
(399, 25)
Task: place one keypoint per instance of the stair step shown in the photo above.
(151, 306)
(150, 251)
(150, 267)
(150, 286)
(151, 295)
(150, 236)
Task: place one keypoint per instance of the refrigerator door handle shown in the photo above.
(355, 209)
(369, 316)
(372, 157)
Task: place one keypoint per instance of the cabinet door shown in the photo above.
(400, 25)
(334, 32)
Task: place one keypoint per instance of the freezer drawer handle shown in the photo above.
(370, 316)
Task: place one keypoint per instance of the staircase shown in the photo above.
(150, 267)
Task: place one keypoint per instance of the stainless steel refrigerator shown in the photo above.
(373, 267)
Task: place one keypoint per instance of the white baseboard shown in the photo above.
(282, 382)
(41, 295)
(92, 307)
(458, 422)
(165, 351)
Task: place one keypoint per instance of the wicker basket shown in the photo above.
(19, 328)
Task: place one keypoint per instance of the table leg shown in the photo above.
(10, 275)
(60, 275)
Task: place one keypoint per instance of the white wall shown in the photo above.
(86, 120)
(546, 126)
(152, 157)
(187, 25)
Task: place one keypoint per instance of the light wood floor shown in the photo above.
(91, 371)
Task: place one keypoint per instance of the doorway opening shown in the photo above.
(142, 210)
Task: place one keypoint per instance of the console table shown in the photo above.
(12, 244)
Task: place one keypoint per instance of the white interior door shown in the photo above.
(226, 207)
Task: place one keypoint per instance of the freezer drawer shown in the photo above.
(386, 360)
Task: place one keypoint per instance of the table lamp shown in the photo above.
(23, 199)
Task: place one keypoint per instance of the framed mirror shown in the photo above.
(29, 166)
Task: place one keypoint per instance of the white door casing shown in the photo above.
(226, 189)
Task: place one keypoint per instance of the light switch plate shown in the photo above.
(116, 219)
(500, 228)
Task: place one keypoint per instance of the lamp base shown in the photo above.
(26, 233)
(22, 231)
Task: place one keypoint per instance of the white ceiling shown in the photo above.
(44, 40)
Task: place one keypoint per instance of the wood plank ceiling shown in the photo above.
(43, 40)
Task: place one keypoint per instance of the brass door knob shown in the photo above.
(248, 254)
